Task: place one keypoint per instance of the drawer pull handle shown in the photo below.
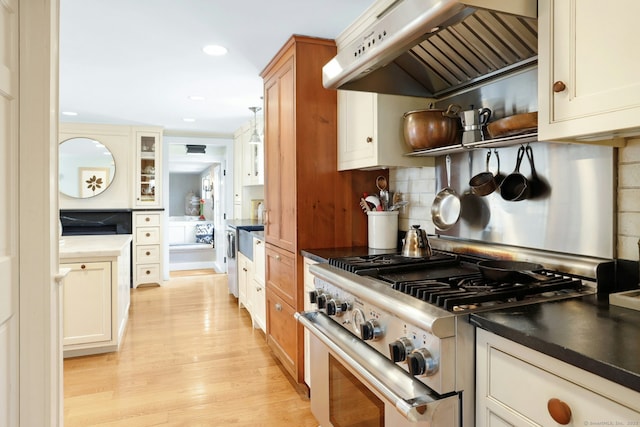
(148, 272)
(277, 257)
(258, 288)
(148, 234)
(147, 219)
(559, 86)
(559, 411)
(83, 266)
(278, 307)
(147, 253)
(369, 140)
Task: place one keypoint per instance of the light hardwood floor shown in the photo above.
(190, 357)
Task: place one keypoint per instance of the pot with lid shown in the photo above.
(416, 243)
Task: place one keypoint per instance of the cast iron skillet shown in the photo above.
(510, 271)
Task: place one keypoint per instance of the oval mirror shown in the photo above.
(86, 167)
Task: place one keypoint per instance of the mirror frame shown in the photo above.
(86, 167)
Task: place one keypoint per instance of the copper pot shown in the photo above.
(432, 128)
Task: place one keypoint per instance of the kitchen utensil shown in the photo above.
(398, 205)
(445, 210)
(381, 183)
(473, 121)
(510, 271)
(484, 183)
(515, 186)
(374, 201)
(364, 205)
(416, 243)
(518, 124)
(431, 128)
(539, 186)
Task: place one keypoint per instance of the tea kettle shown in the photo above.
(416, 244)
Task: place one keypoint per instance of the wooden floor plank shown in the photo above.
(190, 357)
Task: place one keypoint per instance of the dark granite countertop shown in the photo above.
(245, 224)
(585, 332)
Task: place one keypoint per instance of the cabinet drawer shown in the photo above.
(146, 254)
(148, 273)
(518, 391)
(147, 235)
(282, 333)
(147, 219)
(280, 273)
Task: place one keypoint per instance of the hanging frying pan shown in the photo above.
(445, 210)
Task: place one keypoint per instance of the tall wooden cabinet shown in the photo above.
(309, 204)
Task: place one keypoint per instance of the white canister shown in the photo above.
(383, 229)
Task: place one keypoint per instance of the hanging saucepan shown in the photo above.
(515, 186)
(510, 271)
(445, 210)
(485, 183)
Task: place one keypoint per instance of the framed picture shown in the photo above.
(93, 181)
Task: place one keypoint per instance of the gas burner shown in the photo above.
(371, 265)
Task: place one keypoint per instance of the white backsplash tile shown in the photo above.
(417, 186)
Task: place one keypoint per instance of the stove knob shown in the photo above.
(400, 349)
(335, 307)
(370, 330)
(421, 362)
(321, 300)
(313, 296)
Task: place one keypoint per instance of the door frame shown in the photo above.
(40, 351)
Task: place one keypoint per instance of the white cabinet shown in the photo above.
(148, 173)
(238, 142)
(96, 298)
(370, 130)
(308, 287)
(245, 279)
(256, 289)
(589, 87)
(515, 385)
(147, 244)
(87, 303)
(248, 165)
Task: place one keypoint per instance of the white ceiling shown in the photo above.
(138, 61)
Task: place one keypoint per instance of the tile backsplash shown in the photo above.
(418, 186)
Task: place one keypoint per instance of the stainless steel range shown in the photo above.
(391, 344)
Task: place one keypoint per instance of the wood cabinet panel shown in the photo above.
(283, 332)
(309, 204)
(280, 270)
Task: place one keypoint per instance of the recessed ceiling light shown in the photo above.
(196, 98)
(69, 113)
(189, 119)
(214, 49)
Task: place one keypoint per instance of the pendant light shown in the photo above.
(255, 138)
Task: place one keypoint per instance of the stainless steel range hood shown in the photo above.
(435, 47)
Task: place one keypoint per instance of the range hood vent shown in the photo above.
(434, 48)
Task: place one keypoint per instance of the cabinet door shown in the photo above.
(87, 312)
(282, 332)
(280, 152)
(589, 49)
(245, 278)
(258, 261)
(504, 402)
(238, 146)
(357, 141)
(148, 170)
(281, 273)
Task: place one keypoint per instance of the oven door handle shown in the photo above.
(414, 400)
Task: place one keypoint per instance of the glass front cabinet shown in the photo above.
(148, 169)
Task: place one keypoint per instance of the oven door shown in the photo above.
(354, 385)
